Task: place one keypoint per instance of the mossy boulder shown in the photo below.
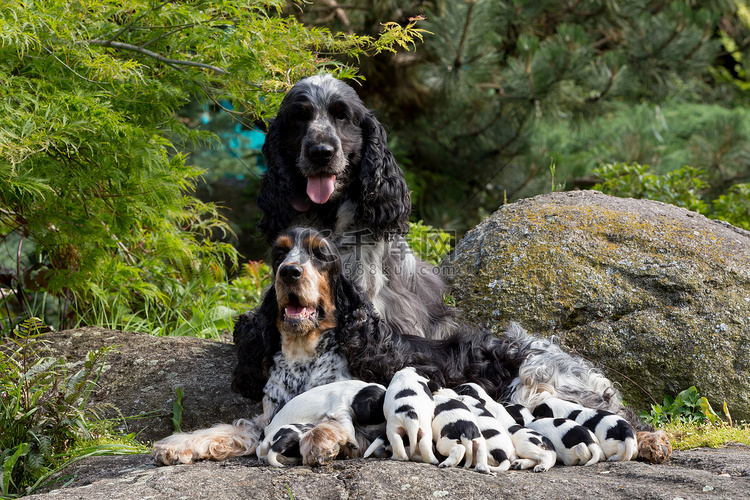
(659, 295)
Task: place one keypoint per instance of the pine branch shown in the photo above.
(457, 62)
(606, 89)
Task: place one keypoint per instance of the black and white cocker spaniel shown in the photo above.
(315, 326)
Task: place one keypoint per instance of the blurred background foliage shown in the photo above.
(99, 219)
(502, 89)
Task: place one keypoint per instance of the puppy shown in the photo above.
(381, 448)
(500, 449)
(456, 433)
(282, 448)
(519, 413)
(534, 451)
(616, 436)
(325, 442)
(344, 402)
(574, 444)
(408, 409)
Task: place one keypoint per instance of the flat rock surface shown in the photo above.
(142, 373)
(700, 473)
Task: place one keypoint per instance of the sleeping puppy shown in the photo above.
(500, 449)
(616, 436)
(534, 451)
(326, 442)
(519, 413)
(282, 448)
(574, 444)
(456, 433)
(346, 402)
(409, 408)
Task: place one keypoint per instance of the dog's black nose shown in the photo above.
(320, 153)
(290, 273)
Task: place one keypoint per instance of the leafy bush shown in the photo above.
(734, 207)
(684, 187)
(428, 243)
(679, 187)
(44, 416)
(97, 215)
(691, 422)
(687, 407)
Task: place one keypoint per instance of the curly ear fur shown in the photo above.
(384, 198)
(353, 309)
(257, 340)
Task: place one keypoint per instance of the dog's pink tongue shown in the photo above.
(294, 310)
(319, 189)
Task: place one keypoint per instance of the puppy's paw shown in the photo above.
(653, 447)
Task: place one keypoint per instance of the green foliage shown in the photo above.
(734, 207)
(428, 243)
(680, 187)
(685, 436)
(97, 213)
(684, 187)
(44, 415)
(496, 72)
(688, 407)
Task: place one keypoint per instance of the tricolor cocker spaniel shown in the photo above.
(328, 330)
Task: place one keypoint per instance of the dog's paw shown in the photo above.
(322, 454)
(653, 447)
(168, 454)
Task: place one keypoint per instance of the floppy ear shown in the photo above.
(363, 338)
(257, 340)
(384, 199)
(353, 308)
(276, 186)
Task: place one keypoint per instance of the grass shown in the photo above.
(686, 436)
(691, 422)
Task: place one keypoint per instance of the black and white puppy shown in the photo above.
(456, 433)
(616, 436)
(574, 444)
(409, 409)
(282, 448)
(349, 403)
(534, 451)
(500, 449)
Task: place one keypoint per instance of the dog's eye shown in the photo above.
(339, 111)
(278, 258)
(300, 113)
